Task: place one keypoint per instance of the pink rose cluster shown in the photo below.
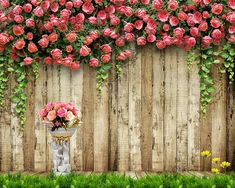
(58, 113)
(68, 32)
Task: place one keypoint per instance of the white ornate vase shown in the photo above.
(60, 150)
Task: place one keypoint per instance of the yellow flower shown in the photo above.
(206, 153)
(215, 160)
(215, 170)
(225, 164)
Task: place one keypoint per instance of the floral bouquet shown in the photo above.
(60, 114)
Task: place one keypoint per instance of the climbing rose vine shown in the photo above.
(73, 32)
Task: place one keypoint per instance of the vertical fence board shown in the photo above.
(182, 112)
(194, 119)
(40, 129)
(101, 127)
(170, 109)
(53, 95)
(146, 107)
(135, 112)
(218, 114)
(76, 143)
(5, 124)
(158, 109)
(88, 117)
(123, 127)
(113, 124)
(29, 134)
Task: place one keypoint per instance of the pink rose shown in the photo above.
(77, 3)
(32, 48)
(27, 7)
(194, 31)
(69, 5)
(20, 44)
(174, 21)
(141, 41)
(106, 58)
(215, 23)
(80, 18)
(217, 8)
(179, 32)
(48, 60)
(129, 11)
(19, 19)
(205, 14)
(120, 41)
(94, 62)
(182, 16)
(38, 11)
(206, 41)
(69, 48)
(53, 37)
(54, 7)
(231, 29)
(166, 27)
(216, 34)
(56, 53)
(106, 48)
(4, 39)
(4, 3)
(75, 65)
(88, 40)
(110, 9)
(107, 32)
(51, 115)
(203, 26)
(151, 38)
(197, 17)
(163, 15)
(114, 20)
(92, 20)
(129, 27)
(161, 44)
(231, 17)
(29, 35)
(30, 22)
(101, 15)
(139, 24)
(43, 113)
(28, 61)
(43, 42)
(157, 4)
(173, 5)
(94, 34)
(145, 2)
(129, 37)
(17, 9)
(231, 4)
(45, 5)
(84, 51)
(62, 112)
(207, 2)
(69, 116)
(141, 13)
(71, 37)
(18, 30)
(88, 7)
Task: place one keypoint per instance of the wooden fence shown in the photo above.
(147, 120)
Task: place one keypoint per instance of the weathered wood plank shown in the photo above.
(182, 112)
(40, 129)
(88, 117)
(158, 109)
(101, 128)
(123, 126)
(29, 134)
(170, 109)
(218, 113)
(5, 125)
(194, 119)
(113, 124)
(76, 143)
(53, 95)
(17, 138)
(135, 112)
(146, 107)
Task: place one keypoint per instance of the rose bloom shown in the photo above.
(77, 3)
(84, 51)
(80, 18)
(43, 113)
(141, 41)
(145, 2)
(120, 41)
(62, 112)
(151, 38)
(194, 31)
(205, 14)
(203, 26)
(161, 44)
(30, 22)
(231, 4)
(69, 5)
(32, 48)
(174, 21)
(92, 20)
(182, 16)
(129, 37)
(121, 57)
(231, 29)
(51, 115)
(157, 4)
(129, 12)
(106, 58)
(215, 23)
(69, 116)
(173, 5)
(18, 30)
(231, 17)
(17, 9)
(217, 8)
(53, 37)
(29, 35)
(197, 17)
(4, 4)
(166, 27)
(216, 34)
(28, 61)
(43, 42)
(179, 32)
(114, 20)
(48, 60)
(54, 7)
(94, 34)
(101, 15)
(128, 53)
(75, 65)
(18, 19)
(88, 8)
(207, 2)
(139, 24)
(71, 37)
(4, 39)
(56, 53)
(163, 15)
(106, 48)
(38, 11)
(20, 44)
(69, 48)
(45, 5)
(141, 13)
(94, 62)
(206, 41)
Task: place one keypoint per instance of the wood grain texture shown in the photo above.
(194, 119)
(182, 112)
(135, 113)
(158, 110)
(170, 114)
(146, 107)
(40, 129)
(88, 118)
(123, 121)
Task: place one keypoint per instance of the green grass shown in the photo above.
(112, 180)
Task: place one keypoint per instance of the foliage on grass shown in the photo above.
(112, 180)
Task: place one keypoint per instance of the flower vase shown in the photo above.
(60, 150)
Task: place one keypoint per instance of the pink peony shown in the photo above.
(62, 112)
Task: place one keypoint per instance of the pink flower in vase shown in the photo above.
(69, 106)
(69, 116)
(51, 115)
(43, 113)
(62, 112)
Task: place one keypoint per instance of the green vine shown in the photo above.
(101, 76)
